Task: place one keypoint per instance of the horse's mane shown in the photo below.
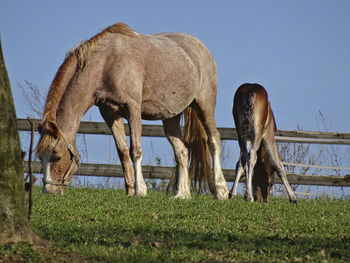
(76, 60)
(83, 52)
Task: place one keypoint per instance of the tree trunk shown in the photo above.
(14, 226)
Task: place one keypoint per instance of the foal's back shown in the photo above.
(251, 110)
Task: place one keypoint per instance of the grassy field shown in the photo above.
(104, 225)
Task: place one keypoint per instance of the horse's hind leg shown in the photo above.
(239, 172)
(172, 131)
(251, 161)
(271, 148)
(206, 115)
(117, 127)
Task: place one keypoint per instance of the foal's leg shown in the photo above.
(239, 172)
(172, 131)
(135, 125)
(117, 127)
(251, 161)
(271, 148)
(206, 114)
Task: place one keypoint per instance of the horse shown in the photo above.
(256, 127)
(132, 76)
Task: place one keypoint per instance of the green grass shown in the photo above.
(105, 225)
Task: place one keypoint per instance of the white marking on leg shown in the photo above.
(239, 172)
(219, 179)
(184, 185)
(47, 170)
(140, 186)
(183, 188)
(251, 163)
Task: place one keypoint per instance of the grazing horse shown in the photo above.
(256, 128)
(132, 76)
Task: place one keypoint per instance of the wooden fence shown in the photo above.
(161, 172)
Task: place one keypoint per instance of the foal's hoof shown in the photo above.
(231, 195)
(293, 201)
(249, 198)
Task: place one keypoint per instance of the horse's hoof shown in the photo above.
(182, 196)
(141, 192)
(222, 195)
(130, 192)
(140, 195)
(221, 192)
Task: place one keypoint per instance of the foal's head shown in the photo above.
(59, 158)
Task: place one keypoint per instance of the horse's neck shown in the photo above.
(70, 113)
(69, 127)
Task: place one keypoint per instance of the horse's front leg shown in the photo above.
(115, 123)
(135, 126)
(118, 132)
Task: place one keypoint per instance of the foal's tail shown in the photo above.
(196, 140)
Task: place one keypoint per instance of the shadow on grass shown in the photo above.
(240, 243)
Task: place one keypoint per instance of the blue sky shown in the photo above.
(299, 50)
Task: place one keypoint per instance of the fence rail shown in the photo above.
(161, 172)
(165, 172)
(226, 133)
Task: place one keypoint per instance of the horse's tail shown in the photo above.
(243, 110)
(196, 140)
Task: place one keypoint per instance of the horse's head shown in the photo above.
(59, 158)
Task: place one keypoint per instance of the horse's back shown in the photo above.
(178, 69)
(164, 73)
(187, 51)
(196, 50)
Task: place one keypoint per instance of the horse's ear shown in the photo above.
(39, 126)
(52, 127)
(48, 127)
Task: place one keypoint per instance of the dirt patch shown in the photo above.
(40, 251)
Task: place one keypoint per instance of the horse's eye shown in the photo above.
(55, 159)
(55, 156)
